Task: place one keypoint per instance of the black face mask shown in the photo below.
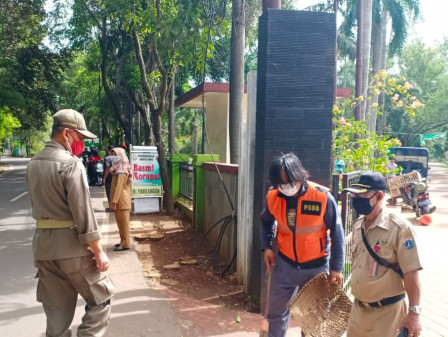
(362, 205)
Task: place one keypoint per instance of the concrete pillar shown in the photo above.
(246, 184)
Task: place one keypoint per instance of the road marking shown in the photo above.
(19, 196)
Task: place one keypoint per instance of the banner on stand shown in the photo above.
(146, 172)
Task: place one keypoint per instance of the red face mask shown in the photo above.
(77, 146)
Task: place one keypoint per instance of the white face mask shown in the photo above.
(288, 190)
(114, 159)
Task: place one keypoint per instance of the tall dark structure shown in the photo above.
(295, 89)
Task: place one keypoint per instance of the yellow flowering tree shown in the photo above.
(359, 148)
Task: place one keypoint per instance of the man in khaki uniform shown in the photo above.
(66, 244)
(379, 308)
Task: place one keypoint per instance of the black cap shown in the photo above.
(368, 181)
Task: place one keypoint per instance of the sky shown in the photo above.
(431, 29)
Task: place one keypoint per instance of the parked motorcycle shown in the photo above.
(415, 195)
(95, 169)
(97, 176)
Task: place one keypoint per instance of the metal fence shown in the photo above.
(186, 189)
(348, 217)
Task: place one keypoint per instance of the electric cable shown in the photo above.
(212, 12)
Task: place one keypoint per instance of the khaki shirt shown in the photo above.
(393, 239)
(59, 190)
(120, 191)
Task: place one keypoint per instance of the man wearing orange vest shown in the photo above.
(307, 221)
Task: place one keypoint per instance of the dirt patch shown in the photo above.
(185, 262)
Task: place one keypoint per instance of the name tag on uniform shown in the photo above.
(311, 207)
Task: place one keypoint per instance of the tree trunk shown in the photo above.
(381, 99)
(372, 109)
(142, 107)
(156, 113)
(358, 81)
(236, 78)
(157, 128)
(195, 132)
(366, 43)
(172, 121)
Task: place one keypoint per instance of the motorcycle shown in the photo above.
(95, 172)
(415, 195)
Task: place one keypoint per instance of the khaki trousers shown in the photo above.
(376, 322)
(60, 282)
(123, 218)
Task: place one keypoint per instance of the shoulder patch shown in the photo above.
(311, 207)
(409, 244)
(400, 222)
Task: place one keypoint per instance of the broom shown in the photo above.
(264, 329)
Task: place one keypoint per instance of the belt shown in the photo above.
(53, 223)
(381, 303)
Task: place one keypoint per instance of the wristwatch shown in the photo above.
(417, 309)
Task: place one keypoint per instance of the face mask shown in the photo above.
(114, 159)
(288, 190)
(362, 205)
(77, 147)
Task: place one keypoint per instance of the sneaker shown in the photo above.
(392, 201)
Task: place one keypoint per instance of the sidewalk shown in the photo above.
(142, 310)
(137, 309)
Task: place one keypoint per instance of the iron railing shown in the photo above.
(348, 216)
(186, 188)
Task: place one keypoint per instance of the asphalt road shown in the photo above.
(20, 314)
(137, 310)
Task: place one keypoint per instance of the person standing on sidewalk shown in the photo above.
(66, 244)
(107, 178)
(120, 196)
(304, 212)
(385, 265)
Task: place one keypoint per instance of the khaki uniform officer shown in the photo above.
(66, 244)
(379, 308)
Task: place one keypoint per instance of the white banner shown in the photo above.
(146, 172)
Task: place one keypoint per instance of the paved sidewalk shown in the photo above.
(137, 309)
(142, 310)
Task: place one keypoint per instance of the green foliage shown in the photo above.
(30, 73)
(359, 148)
(426, 68)
(353, 143)
(7, 123)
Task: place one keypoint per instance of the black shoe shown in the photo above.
(116, 245)
(108, 210)
(118, 249)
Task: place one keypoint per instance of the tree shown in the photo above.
(426, 70)
(236, 78)
(141, 45)
(30, 73)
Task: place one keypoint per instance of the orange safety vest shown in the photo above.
(310, 238)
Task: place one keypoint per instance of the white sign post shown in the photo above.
(146, 190)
